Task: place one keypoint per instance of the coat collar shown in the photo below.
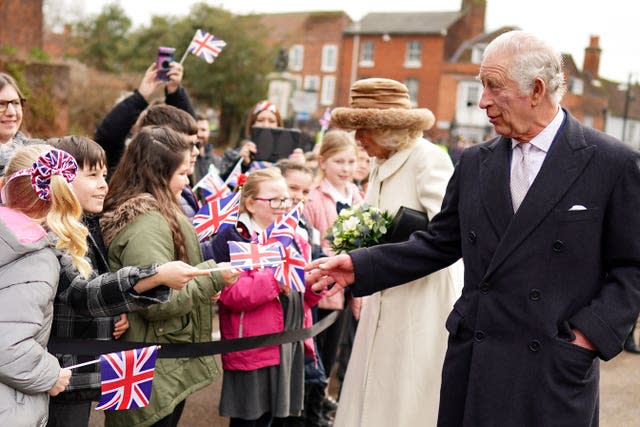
(565, 161)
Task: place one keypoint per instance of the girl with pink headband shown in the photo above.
(39, 211)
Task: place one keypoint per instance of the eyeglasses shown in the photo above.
(16, 103)
(276, 203)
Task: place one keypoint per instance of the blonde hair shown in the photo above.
(336, 141)
(61, 214)
(251, 187)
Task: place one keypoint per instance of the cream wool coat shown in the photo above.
(393, 377)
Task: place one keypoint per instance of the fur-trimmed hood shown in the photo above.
(378, 103)
(112, 222)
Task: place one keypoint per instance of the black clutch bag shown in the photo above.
(405, 222)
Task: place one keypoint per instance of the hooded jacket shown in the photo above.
(137, 234)
(29, 273)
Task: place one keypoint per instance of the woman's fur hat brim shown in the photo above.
(379, 103)
(376, 118)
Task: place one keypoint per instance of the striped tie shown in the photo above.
(520, 176)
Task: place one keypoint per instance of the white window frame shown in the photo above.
(328, 91)
(311, 84)
(476, 53)
(413, 55)
(329, 58)
(296, 57)
(366, 54)
(413, 84)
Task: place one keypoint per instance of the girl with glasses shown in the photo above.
(268, 382)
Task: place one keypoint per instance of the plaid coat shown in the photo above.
(88, 308)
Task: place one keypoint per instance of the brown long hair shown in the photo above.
(148, 164)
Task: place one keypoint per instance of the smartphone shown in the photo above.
(163, 61)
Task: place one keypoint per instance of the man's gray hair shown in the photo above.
(531, 58)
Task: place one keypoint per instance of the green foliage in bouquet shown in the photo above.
(358, 227)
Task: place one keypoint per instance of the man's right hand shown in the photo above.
(62, 382)
(324, 272)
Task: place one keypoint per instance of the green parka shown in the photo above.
(137, 234)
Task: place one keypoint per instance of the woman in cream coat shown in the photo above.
(393, 376)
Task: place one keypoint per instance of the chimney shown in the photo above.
(475, 13)
(591, 62)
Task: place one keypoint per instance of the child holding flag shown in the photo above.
(94, 308)
(267, 382)
(143, 223)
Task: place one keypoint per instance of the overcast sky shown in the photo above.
(568, 24)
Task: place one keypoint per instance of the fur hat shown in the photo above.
(381, 103)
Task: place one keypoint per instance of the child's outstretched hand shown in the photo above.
(229, 275)
(176, 274)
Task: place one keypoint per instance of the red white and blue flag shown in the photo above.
(127, 378)
(325, 119)
(251, 256)
(232, 179)
(217, 215)
(291, 272)
(206, 46)
(213, 186)
(283, 230)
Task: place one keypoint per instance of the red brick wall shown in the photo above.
(21, 24)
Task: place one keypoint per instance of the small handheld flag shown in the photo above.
(251, 256)
(232, 179)
(291, 272)
(127, 378)
(216, 215)
(205, 45)
(284, 228)
(325, 119)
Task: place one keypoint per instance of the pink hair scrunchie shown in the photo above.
(54, 162)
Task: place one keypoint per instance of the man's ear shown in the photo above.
(539, 91)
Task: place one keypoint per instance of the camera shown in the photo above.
(163, 62)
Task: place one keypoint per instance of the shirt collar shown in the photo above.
(544, 139)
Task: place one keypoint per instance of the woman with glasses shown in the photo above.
(11, 113)
(264, 383)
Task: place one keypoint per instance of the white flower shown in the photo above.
(350, 224)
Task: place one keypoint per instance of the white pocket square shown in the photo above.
(577, 208)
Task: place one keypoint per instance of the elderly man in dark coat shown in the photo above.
(546, 217)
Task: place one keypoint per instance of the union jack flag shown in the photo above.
(217, 215)
(206, 46)
(232, 179)
(126, 378)
(283, 229)
(213, 186)
(250, 256)
(291, 272)
(325, 120)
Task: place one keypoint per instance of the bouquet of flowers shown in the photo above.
(358, 227)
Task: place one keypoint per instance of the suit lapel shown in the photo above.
(565, 161)
(494, 183)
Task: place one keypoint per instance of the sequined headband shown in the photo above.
(54, 162)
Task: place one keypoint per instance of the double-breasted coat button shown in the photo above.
(557, 245)
(534, 345)
(472, 237)
(534, 294)
(484, 288)
(479, 336)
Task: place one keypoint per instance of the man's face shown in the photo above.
(195, 150)
(90, 187)
(508, 109)
(203, 132)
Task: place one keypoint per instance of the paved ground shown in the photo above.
(619, 400)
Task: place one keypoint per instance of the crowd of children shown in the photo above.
(117, 257)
